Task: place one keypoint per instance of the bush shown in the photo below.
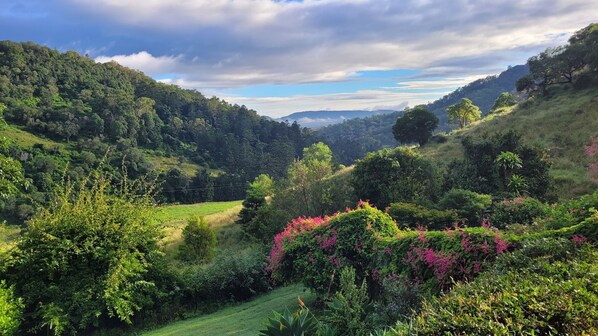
(350, 311)
(534, 291)
(367, 239)
(468, 204)
(199, 241)
(84, 260)
(408, 215)
(520, 210)
(230, 278)
(10, 310)
(571, 212)
(393, 175)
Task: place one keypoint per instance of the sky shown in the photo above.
(279, 57)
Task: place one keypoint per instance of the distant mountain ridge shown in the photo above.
(316, 119)
(354, 138)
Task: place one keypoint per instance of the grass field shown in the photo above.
(244, 319)
(175, 213)
(220, 215)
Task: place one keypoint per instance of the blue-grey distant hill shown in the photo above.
(352, 139)
(317, 119)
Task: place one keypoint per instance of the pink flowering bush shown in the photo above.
(368, 240)
(314, 252)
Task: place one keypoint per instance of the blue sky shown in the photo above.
(279, 57)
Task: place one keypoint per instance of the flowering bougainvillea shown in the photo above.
(367, 239)
(295, 227)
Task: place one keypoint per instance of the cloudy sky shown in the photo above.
(279, 57)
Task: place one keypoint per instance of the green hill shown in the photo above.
(64, 109)
(563, 123)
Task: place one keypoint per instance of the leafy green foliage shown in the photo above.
(95, 109)
(85, 259)
(408, 215)
(229, 278)
(314, 250)
(564, 64)
(490, 160)
(520, 210)
(350, 310)
(10, 311)
(416, 125)
(299, 323)
(400, 174)
(199, 240)
(463, 112)
(504, 100)
(467, 204)
(546, 288)
(257, 192)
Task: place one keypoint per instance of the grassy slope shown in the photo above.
(220, 215)
(562, 123)
(244, 319)
(25, 139)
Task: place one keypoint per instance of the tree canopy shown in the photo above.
(416, 125)
(463, 112)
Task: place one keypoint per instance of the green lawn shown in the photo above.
(175, 213)
(244, 319)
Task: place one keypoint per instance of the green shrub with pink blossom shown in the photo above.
(314, 250)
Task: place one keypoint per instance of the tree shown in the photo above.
(199, 240)
(508, 162)
(257, 192)
(393, 175)
(315, 166)
(463, 112)
(85, 259)
(416, 125)
(504, 100)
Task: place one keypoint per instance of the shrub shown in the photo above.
(315, 250)
(368, 240)
(230, 278)
(10, 310)
(520, 210)
(468, 204)
(350, 311)
(547, 292)
(298, 323)
(199, 241)
(84, 260)
(571, 212)
(408, 215)
(393, 175)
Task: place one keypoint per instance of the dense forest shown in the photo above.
(111, 112)
(354, 138)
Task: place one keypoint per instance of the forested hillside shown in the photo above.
(354, 138)
(64, 107)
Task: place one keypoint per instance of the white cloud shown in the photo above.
(214, 45)
(361, 100)
(146, 62)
